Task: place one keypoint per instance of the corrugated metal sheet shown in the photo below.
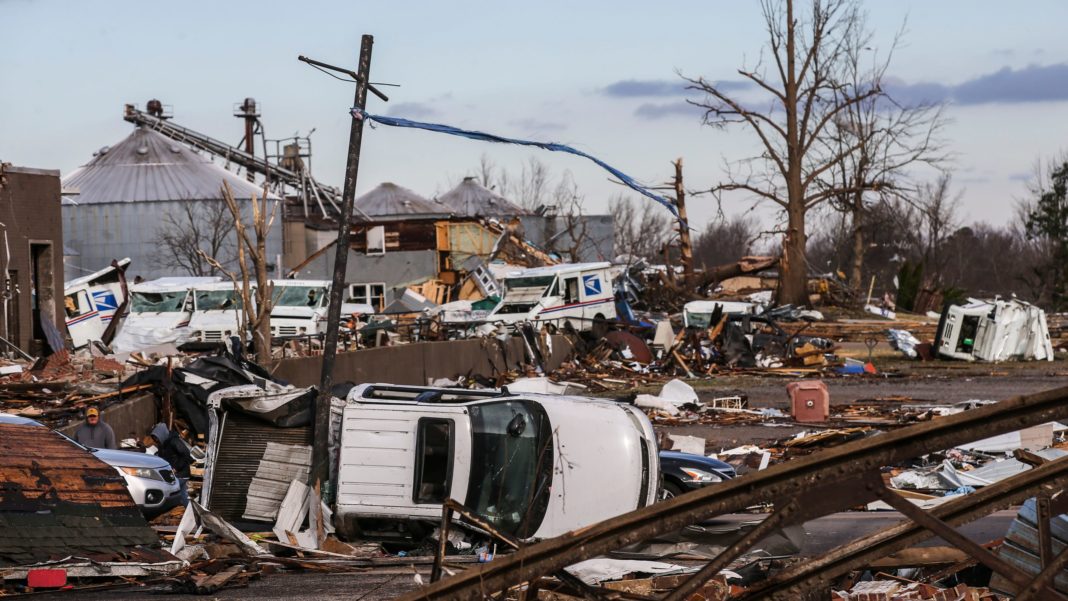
(1021, 547)
(57, 499)
(148, 167)
(102, 232)
(390, 199)
(244, 440)
(472, 198)
(280, 466)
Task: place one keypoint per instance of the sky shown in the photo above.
(603, 77)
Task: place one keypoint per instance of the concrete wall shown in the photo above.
(105, 231)
(30, 214)
(419, 363)
(131, 418)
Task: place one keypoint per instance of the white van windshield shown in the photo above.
(298, 296)
(217, 300)
(512, 465)
(158, 302)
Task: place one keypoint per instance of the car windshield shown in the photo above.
(158, 302)
(217, 300)
(512, 465)
(298, 296)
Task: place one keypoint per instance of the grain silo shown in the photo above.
(155, 201)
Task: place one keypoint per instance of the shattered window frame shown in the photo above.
(373, 293)
(419, 495)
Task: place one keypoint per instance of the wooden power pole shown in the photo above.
(685, 245)
(321, 448)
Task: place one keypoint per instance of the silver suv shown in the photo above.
(151, 480)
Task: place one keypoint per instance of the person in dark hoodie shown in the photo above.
(171, 448)
(94, 433)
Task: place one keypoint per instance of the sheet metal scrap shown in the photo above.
(822, 483)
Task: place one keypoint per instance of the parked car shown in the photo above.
(150, 480)
(682, 472)
(534, 465)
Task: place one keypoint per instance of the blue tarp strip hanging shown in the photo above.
(477, 135)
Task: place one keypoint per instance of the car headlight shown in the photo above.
(142, 472)
(701, 476)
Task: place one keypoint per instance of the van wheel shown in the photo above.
(600, 326)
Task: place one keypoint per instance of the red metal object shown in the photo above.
(46, 578)
(620, 340)
(809, 400)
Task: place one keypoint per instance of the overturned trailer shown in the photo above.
(995, 330)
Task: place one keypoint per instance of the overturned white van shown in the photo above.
(534, 465)
(579, 294)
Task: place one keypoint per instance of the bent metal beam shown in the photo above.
(836, 467)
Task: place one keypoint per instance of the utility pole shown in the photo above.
(685, 246)
(247, 111)
(321, 449)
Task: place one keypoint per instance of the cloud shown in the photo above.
(1021, 177)
(535, 125)
(633, 88)
(668, 109)
(1029, 84)
(651, 88)
(412, 110)
(1034, 83)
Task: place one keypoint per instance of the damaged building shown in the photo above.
(33, 236)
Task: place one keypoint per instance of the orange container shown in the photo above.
(809, 400)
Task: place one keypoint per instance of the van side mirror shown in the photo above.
(517, 425)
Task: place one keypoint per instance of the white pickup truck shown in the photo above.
(534, 465)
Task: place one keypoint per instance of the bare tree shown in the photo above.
(878, 140)
(641, 228)
(568, 227)
(806, 93)
(725, 240)
(257, 303)
(196, 229)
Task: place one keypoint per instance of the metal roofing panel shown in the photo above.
(145, 167)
